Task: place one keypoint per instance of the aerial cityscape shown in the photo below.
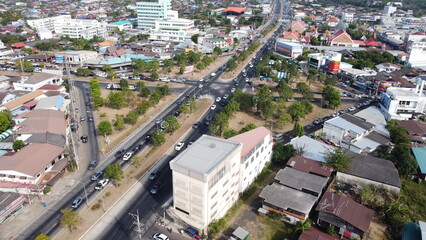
(200, 119)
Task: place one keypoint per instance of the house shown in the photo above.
(332, 21)
(403, 103)
(351, 219)
(311, 148)
(18, 46)
(34, 82)
(420, 156)
(289, 49)
(366, 170)
(10, 203)
(315, 234)
(30, 169)
(309, 166)
(416, 130)
(293, 204)
(75, 58)
(291, 36)
(341, 38)
(297, 26)
(319, 60)
(374, 116)
(51, 87)
(215, 42)
(353, 133)
(388, 67)
(255, 153)
(302, 181)
(18, 102)
(54, 102)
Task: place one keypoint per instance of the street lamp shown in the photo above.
(85, 192)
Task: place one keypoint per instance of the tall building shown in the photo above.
(151, 10)
(173, 28)
(415, 45)
(209, 176)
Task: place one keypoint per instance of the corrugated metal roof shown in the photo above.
(301, 180)
(250, 139)
(420, 155)
(310, 166)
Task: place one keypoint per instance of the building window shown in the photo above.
(38, 175)
(187, 213)
(2, 175)
(214, 205)
(214, 195)
(252, 159)
(257, 154)
(247, 163)
(225, 183)
(11, 176)
(23, 178)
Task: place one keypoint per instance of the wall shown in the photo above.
(350, 179)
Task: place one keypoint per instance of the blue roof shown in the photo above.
(420, 155)
(138, 56)
(411, 231)
(121, 22)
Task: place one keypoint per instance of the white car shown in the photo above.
(160, 236)
(101, 184)
(218, 99)
(179, 146)
(201, 80)
(352, 108)
(213, 107)
(247, 79)
(213, 74)
(232, 90)
(127, 156)
(244, 70)
(200, 85)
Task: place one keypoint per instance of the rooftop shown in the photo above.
(310, 166)
(21, 100)
(404, 92)
(250, 139)
(420, 155)
(205, 154)
(373, 168)
(312, 148)
(413, 127)
(301, 180)
(44, 121)
(314, 234)
(350, 122)
(346, 209)
(288, 198)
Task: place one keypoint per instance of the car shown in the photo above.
(92, 165)
(232, 90)
(137, 148)
(226, 96)
(101, 184)
(83, 139)
(189, 143)
(96, 176)
(309, 126)
(244, 70)
(155, 188)
(90, 119)
(223, 103)
(318, 121)
(236, 84)
(201, 80)
(87, 103)
(209, 117)
(247, 79)
(218, 99)
(148, 138)
(213, 74)
(154, 174)
(235, 79)
(213, 107)
(160, 236)
(179, 146)
(196, 124)
(245, 74)
(290, 99)
(177, 113)
(82, 119)
(200, 85)
(76, 110)
(120, 153)
(278, 136)
(127, 156)
(77, 202)
(158, 120)
(179, 102)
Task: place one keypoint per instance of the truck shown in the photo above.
(116, 86)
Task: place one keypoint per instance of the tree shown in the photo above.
(297, 130)
(114, 171)
(282, 153)
(332, 95)
(232, 64)
(119, 122)
(164, 90)
(167, 65)
(192, 105)
(18, 144)
(172, 123)
(338, 160)
(247, 128)
(158, 137)
(283, 120)
(106, 68)
(303, 87)
(182, 69)
(194, 38)
(105, 128)
(231, 107)
(303, 225)
(5, 122)
(42, 236)
(201, 66)
(217, 51)
(296, 111)
(245, 100)
(398, 134)
(207, 60)
(143, 107)
(285, 91)
(154, 76)
(228, 133)
(25, 65)
(403, 160)
(116, 100)
(131, 117)
(263, 94)
(219, 124)
(82, 72)
(184, 109)
(267, 109)
(136, 160)
(307, 105)
(70, 219)
(112, 74)
(145, 91)
(124, 84)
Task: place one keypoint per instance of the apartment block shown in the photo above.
(173, 29)
(151, 10)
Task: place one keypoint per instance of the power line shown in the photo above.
(139, 225)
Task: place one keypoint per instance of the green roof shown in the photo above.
(411, 231)
(420, 155)
(121, 22)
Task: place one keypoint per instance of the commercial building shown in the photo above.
(415, 45)
(329, 60)
(4, 52)
(151, 10)
(63, 25)
(289, 49)
(78, 58)
(215, 42)
(403, 103)
(206, 180)
(36, 81)
(120, 25)
(173, 29)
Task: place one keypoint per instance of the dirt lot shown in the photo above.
(113, 194)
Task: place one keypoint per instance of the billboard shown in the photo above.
(189, 69)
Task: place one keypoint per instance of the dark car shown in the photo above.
(120, 153)
(155, 188)
(137, 148)
(179, 102)
(148, 138)
(90, 119)
(84, 138)
(196, 124)
(87, 103)
(92, 165)
(177, 113)
(154, 174)
(96, 176)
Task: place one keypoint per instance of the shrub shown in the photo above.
(107, 194)
(103, 115)
(47, 189)
(96, 206)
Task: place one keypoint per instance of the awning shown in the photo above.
(6, 134)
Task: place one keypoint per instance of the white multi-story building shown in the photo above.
(173, 29)
(63, 25)
(209, 176)
(215, 42)
(256, 152)
(403, 103)
(36, 81)
(206, 179)
(121, 25)
(4, 51)
(348, 17)
(150, 10)
(416, 48)
(388, 10)
(75, 57)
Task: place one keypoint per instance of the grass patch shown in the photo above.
(413, 195)
(276, 229)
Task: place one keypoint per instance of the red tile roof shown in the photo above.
(51, 87)
(346, 209)
(250, 139)
(314, 234)
(234, 9)
(371, 42)
(309, 165)
(18, 45)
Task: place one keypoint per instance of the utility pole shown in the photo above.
(139, 225)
